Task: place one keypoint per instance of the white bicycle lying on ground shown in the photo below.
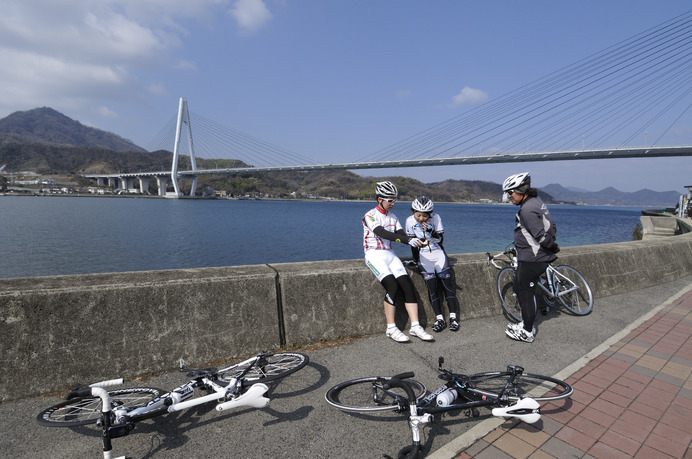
(117, 411)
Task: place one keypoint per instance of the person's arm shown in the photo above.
(534, 222)
(436, 237)
(399, 236)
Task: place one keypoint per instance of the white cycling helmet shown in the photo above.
(515, 181)
(422, 204)
(386, 190)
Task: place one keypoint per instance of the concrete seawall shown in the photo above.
(58, 331)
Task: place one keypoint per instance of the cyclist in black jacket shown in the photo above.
(534, 239)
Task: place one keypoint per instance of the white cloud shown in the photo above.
(250, 14)
(84, 55)
(469, 96)
(184, 64)
(106, 112)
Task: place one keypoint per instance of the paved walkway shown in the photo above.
(632, 399)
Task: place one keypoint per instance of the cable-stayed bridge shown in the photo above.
(626, 101)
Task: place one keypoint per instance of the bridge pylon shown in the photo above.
(183, 122)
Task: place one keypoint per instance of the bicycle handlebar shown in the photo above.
(510, 252)
(88, 391)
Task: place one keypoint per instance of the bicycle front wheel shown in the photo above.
(573, 291)
(537, 387)
(87, 410)
(368, 395)
(266, 368)
(505, 289)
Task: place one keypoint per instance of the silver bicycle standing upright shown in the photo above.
(561, 283)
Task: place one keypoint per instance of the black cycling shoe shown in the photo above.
(453, 325)
(439, 325)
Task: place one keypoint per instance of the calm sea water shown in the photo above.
(45, 236)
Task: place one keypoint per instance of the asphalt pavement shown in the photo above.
(299, 422)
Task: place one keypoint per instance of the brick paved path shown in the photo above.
(633, 400)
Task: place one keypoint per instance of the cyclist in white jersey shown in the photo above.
(433, 262)
(380, 229)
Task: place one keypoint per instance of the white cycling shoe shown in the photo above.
(420, 333)
(397, 335)
(519, 326)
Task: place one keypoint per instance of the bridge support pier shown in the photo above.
(143, 184)
(162, 182)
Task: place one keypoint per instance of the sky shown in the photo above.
(331, 80)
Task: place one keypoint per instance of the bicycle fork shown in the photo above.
(415, 421)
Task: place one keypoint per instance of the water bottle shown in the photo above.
(446, 397)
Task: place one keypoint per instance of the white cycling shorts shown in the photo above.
(431, 263)
(382, 263)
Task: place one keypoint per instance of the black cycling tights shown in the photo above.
(449, 289)
(525, 288)
(394, 285)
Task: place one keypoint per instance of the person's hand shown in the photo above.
(415, 242)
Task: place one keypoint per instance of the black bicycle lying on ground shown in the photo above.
(561, 283)
(510, 393)
(117, 411)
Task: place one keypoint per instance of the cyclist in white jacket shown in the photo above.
(380, 229)
(433, 262)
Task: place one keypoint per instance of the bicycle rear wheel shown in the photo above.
(579, 300)
(267, 368)
(537, 387)
(87, 410)
(368, 395)
(505, 289)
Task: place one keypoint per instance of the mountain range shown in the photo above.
(47, 142)
(610, 196)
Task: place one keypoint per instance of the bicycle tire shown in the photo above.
(269, 368)
(538, 387)
(87, 410)
(579, 302)
(505, 290)
(359, 395)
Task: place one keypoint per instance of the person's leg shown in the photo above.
(525, 288)
(427, 270)
(391, 287)
(527, 277)
(449, 289)
(411, 304)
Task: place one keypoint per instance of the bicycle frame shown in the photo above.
(118, 421)
(177, 399)
(421, 412)
(547, 283)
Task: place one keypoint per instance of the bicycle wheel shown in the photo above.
(367, 395)
(509, 300)
(573, 291)
(267, 368)
(539, 388)
(87, 410)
